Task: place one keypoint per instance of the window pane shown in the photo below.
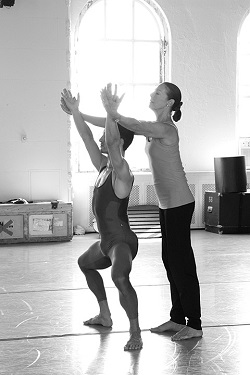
(135, 154)
(136, 101)
(118, 61)
(142, 97)
(119, 41)
(89, 61)
(136, 104)
(100, 63)
(127, 105)
(146, 62)
(119, 19)
(92, 24)
(145, 27)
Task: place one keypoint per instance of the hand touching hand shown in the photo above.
(111, 101)
(64, 106)
(68, 102)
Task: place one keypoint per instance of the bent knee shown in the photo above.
(121, 281)
(81, 264)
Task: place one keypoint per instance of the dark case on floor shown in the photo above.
(244, 221)
(222, 212)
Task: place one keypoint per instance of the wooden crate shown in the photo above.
(36, 222)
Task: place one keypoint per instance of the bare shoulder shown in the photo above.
(122, 183)
(172, 136)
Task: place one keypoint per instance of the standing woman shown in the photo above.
(176, 204)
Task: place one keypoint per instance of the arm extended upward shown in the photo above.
(97, 158)
(94, 120)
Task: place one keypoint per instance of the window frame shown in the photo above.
(164, 68)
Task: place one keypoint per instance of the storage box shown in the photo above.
(36, 222)
(222, 212)
(245, 212)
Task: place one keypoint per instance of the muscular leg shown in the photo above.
(89, 262)
(121, 258)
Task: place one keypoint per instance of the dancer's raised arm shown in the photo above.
(94, 120)
(72, 103)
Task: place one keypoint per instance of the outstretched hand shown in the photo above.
(111, 101)
(68, 102)
(64, 106)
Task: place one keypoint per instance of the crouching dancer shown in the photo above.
(118, 245)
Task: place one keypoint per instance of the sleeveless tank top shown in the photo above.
(111, 216)
(170, 181)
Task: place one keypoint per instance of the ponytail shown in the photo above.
(177, 115)
(177, 111)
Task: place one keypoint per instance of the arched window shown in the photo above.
(124, 42)
(244, 89)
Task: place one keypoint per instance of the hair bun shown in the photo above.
(177, 107)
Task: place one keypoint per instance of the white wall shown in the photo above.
(204, 49)
(33, 71)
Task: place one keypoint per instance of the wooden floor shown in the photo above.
(44, 299)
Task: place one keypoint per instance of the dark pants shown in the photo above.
(178, 259)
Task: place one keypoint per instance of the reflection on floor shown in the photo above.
(44, 299)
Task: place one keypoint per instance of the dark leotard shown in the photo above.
(112, 218)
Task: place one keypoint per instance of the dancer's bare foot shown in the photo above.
(135, 342)
(187, 333)
(168, 326)
(99, 320)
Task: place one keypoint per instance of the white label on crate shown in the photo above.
(58, 222)
(40, 225)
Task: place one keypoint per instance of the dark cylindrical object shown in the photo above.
(230, 174)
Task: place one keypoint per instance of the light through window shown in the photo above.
(123, 42)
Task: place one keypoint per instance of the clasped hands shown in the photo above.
(110, 101)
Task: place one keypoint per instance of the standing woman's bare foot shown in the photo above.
(99, 320)
(187, 333)
(168, 326)
(135, 342)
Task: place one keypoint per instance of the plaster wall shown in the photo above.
(34, 133)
